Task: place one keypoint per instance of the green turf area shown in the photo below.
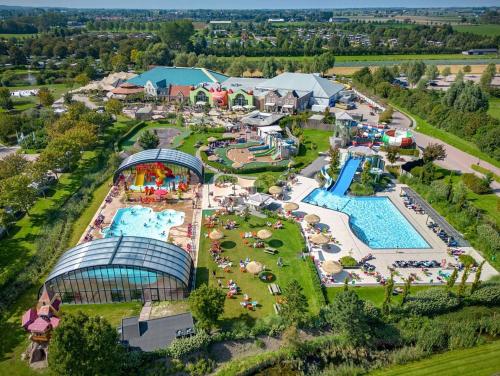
(21, 104)
(113, 312)
(491, 30)
(187, 145)
(374, 294)
(494, 109)
(128, 143)
(477, 361)
(288, 241)
(466, 146)
(315, 141)
(17, 36)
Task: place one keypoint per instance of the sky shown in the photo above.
(248, 4)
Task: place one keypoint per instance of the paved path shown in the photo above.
(314, 167)
(456, 159)
(85, 100)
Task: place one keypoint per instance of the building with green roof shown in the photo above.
(157, 81)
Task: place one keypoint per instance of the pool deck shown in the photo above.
(349, 244)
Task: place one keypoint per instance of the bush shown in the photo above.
(318, 288)
(348, 261)
(201, 367)
(431, 302)
(476, 184)
(358, 189)
(487, 294)
(226, 179)
(406, 354)
(184, 346)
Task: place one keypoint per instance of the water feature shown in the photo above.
(374, 220)
(141, 221)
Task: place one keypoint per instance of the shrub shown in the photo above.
(358, 189)
(318, 288)
(431, 302)
(476, 184)
(226, 179)
(183, 346)
(201, 367)
(432, 338)
(489, 237)
(488, 294)
(406, 354)
(348, 261)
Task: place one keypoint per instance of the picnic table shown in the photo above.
(274, 289)
(277, 308)
(271, 251)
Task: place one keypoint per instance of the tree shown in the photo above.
(114, 106)
(45, 97)
(176, 34)
(207, 304)
(346, 315)
(334, 153)
(179, 121)
(386, 116)
(13, 164)
(365, 174)
(431, 72)
(82, 79)
(5, 99)
(415, 72)
(472, 98)
(453, 278)
(5, 219)
(467, 69)
(463, 281)
(294, 302)
(83, 345)
(446, 71)
(389, 287)
(434, 152)
(16, 192)
(477, 278)
(392, 154)
(149, 140)
(406, 290)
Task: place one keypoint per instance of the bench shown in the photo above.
(271, 251)
(277, 308)
(274, 289)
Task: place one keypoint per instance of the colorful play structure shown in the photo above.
(397, 137)
(151, 175)
(274, 145)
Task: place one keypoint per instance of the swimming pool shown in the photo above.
(141, 221)
(374, 220)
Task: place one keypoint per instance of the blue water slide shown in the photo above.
(346, 175)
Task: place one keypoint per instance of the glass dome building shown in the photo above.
(122, 269)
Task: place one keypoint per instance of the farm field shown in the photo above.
(487, 29)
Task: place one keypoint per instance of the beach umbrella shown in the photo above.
(204, 148)
(213, 158)
(312, 219)
(290, 206)
(216, 235)
(264, 234)
(254, 267)
(319, 239)
(237, 165)
(332, 267)
(211, 139)
(275, 190)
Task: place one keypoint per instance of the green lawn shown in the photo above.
(187, 145)
(315, 141)
(18, 36)
(477, 361)
(128, 144)
(494, 109)
(289, 243)
(466, 146)
(491, 30)
(113, 312)
(21, 104)
(374, 294)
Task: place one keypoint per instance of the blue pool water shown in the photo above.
(141, 221)
(374, 220)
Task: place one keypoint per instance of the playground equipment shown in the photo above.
(399, 138)
(275, 146)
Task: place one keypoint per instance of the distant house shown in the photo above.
(276, 20)
(480, 51)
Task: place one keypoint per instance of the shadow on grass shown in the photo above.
(228, 244)
(275, 243)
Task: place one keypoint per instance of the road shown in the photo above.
(85, 100)
(456, 159)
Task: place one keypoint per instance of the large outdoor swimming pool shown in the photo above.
(141, 221)
(374, 220)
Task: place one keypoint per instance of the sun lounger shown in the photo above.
(271, 251)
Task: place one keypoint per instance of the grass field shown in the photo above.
(113, 312)
(477, 361)
(18, 36)
(494, 109)
(289, 243)
(21, 104)
(491, 30)
(451, 139)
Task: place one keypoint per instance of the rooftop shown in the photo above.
(165, 76)
(302, 82)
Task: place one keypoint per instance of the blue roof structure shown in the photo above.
(163, 155)
(164, 76)
(127, 251)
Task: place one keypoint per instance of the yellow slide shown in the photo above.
(139, 179)
(160, 174)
